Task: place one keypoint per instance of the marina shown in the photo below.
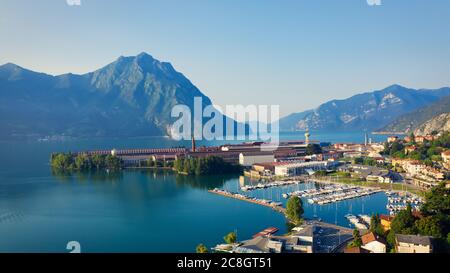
(398, 201)
(332, 193)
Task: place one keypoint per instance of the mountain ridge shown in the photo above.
(131, 96)
(366, 111)
(412, 120)
(440, 123)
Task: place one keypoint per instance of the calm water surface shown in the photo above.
(135, 211)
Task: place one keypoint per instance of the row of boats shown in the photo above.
(331, 194)
(255, 200)
(361, 221)
(269, 185)
(398, 202)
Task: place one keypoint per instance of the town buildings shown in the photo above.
(374, 174)
(413, 244)
(425, 176)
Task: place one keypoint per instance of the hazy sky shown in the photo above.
(297, 53)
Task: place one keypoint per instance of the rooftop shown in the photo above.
(356, 249)
(413, 239)
(371, 237)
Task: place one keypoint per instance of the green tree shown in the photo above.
(192, 165)
(357, 241)
(82, 162)
(201, 248)
(112, 162)
(428, 162)
(62, 161)
(430, 226)
(404, 222)
(396, 147)
(370, 161)
(199, 167)
(415, 155)
(178, 164)
(98, 161)
(375, 225)
(150, 162)
(399, 154)
(230, 238)
(312, 149)
(437, 201)
(294, 209)
(186, 166)
(391, 239)
(412, 138)
(437, 206)
(358, 160)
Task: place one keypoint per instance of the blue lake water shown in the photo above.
(135, 211)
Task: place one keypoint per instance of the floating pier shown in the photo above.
(267, 203)
(270, 185)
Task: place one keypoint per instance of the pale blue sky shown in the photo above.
(297, 53)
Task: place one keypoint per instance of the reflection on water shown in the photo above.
(203, 182)
(199, 182)
(84, 176)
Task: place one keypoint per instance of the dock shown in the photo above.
(271, 184)
(267, 203)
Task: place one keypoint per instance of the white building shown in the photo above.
(249, 158)
(373, 243)
(293, 169)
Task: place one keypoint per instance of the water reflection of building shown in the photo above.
(241, 180)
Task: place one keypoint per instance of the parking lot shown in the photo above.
(328, 237)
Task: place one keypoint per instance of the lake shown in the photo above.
(136, 210)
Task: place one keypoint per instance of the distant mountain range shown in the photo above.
(133, 96)
(368, 111)
(411, 121)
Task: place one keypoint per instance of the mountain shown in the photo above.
(132, 96)
(439, 123)
(410, 121)
(367, 111)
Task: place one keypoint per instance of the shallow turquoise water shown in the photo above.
(134, 211)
